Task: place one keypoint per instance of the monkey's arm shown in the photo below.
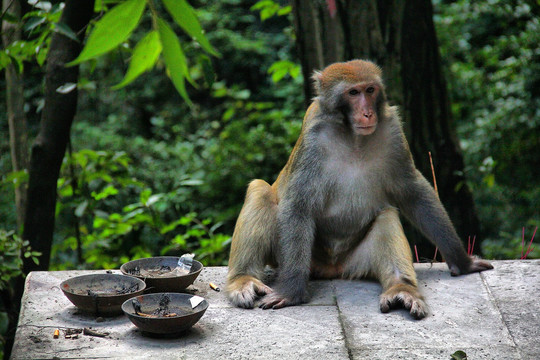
(418, 202)
(296, 232)
(301, 199)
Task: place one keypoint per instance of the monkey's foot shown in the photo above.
(404, 296)
(243, 291)
(277, 301)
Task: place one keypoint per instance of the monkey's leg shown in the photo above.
(252, 245)
(385, 254)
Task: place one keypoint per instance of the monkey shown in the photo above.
(334, 210)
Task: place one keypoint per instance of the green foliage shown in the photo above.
(185, 17)
(38, 24)
(12, 252)
(111, 30)
(107, 233)
(493, 53)
(118, 25)
(280, 69)
(240, 131)
(145, 55)
(174, 58)
(514, 245)
(269, 8)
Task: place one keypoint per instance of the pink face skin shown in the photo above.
(362, 99)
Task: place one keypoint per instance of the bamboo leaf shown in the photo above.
(185, 17)
(144, 58)
(174, 58)
(113, 29)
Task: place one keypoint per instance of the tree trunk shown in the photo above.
(18, 140)
(50, 145)
(400, 37)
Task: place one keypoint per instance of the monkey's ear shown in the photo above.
(317, 79)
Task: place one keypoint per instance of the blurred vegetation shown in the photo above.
(148, 174)
(491, 50)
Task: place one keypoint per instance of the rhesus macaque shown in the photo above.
(333, 212)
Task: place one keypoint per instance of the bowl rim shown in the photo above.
(124, 271)
(142, 285)
(205, 304)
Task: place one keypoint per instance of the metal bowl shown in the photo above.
(163, 282)
(179, 315)
(101, 294)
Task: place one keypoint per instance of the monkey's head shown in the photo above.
(355, 89)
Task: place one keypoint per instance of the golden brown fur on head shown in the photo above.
(354, 71)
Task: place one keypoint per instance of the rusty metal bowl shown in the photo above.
(163, 283)
(101, 294)
(182, 318)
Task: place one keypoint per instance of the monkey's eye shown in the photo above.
(370, 90)
(354, 92)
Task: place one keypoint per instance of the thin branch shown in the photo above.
(6, 9)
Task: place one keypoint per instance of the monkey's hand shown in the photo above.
(278, 301)
(475, 265)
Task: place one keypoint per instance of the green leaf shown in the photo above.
(153, 199)
(81, 208)
(179, 240)
(63, 29)
(267, 13)
(33, 22)
(295, 71)
(170, 227)
(284, 10)
(144, 58)
(145, 195)
(174, 58)
(41, 56)
(113, 29)
(185, 17)
(65, 191)
(5, 60)
(106, 192)
(261, 4)
(228, 114)
(278, 75)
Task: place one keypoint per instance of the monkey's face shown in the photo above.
(361, 99)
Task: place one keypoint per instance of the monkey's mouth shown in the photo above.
(365, 130)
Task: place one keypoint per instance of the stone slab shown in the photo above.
(224, 332)
(515, 288)
(493, 315)
(462, 317)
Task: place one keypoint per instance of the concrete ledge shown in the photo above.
(493, 315)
